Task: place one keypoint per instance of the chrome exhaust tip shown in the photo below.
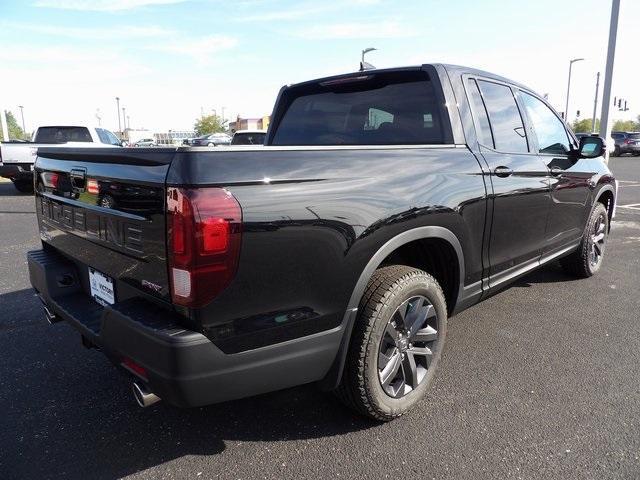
(143, 396)
(49, 315)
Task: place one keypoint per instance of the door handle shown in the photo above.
(555, 171)
(503, 171)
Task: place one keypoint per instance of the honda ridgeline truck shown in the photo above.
(382, 203)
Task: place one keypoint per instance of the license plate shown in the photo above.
(101, 287)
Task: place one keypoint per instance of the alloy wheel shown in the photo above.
(598, 239)
(407, 346)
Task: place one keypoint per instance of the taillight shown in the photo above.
(50, 179)
(204, 228)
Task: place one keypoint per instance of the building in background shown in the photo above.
(261, 123)
(173, 137)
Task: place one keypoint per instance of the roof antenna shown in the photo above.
(364, 65)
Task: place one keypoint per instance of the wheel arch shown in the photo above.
(332, 379)
(606, 196)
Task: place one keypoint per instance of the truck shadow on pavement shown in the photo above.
(68, 413)
(8, 190)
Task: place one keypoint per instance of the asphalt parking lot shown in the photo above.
(539, 381)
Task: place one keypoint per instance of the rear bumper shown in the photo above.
(183, 367)
(16, 172)
(630, 149)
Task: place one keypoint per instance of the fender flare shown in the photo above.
(599, 193)
(334, 375)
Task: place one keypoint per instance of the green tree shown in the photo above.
(15, 131)
(208, 124)
(624, 126)
(584, 125)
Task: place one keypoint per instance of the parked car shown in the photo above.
(626, 142)
(212, 140)
(249, 137)
(146, 142)
(382, 203)
(17, 157)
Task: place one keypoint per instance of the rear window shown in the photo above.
(635, 136)
(248, 139)
(62, 135)
(396, 108)
(506, 123)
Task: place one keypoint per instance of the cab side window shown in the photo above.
(506, 123)
(552, 136)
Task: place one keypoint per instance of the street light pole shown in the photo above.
(595, 104)
(363, 65)
(24, 130)
(124, 121)
(605, 124)
(118, 110)
(566, 108)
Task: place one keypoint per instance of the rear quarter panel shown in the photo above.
(312, 220)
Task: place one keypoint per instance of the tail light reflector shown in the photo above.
(204, 227)
(134, 367)
(92, 186)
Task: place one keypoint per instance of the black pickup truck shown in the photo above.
(382, 203)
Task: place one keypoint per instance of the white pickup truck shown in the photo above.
(17, 158)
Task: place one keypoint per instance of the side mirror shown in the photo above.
(591, 147)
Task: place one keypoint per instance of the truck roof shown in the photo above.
(451, 68)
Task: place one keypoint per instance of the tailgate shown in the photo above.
(104, 209)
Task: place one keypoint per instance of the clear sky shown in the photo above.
(168, 59)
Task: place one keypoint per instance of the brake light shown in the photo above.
(204, 233)
(627, 141)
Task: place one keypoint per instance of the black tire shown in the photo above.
(587, 259)
(361, 387)
(616, 151)
(23, 186)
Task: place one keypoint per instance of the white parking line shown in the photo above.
(631, 206)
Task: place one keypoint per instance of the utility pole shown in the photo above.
(595, 104)
(128, 123)
(24, 130)
(222, 118)
(118, 110)
(605, 121)
(566, 108)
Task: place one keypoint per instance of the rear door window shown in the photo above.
(480, 113)
(506, 123)
(395, 108)
(102, 135)
(112, 139)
